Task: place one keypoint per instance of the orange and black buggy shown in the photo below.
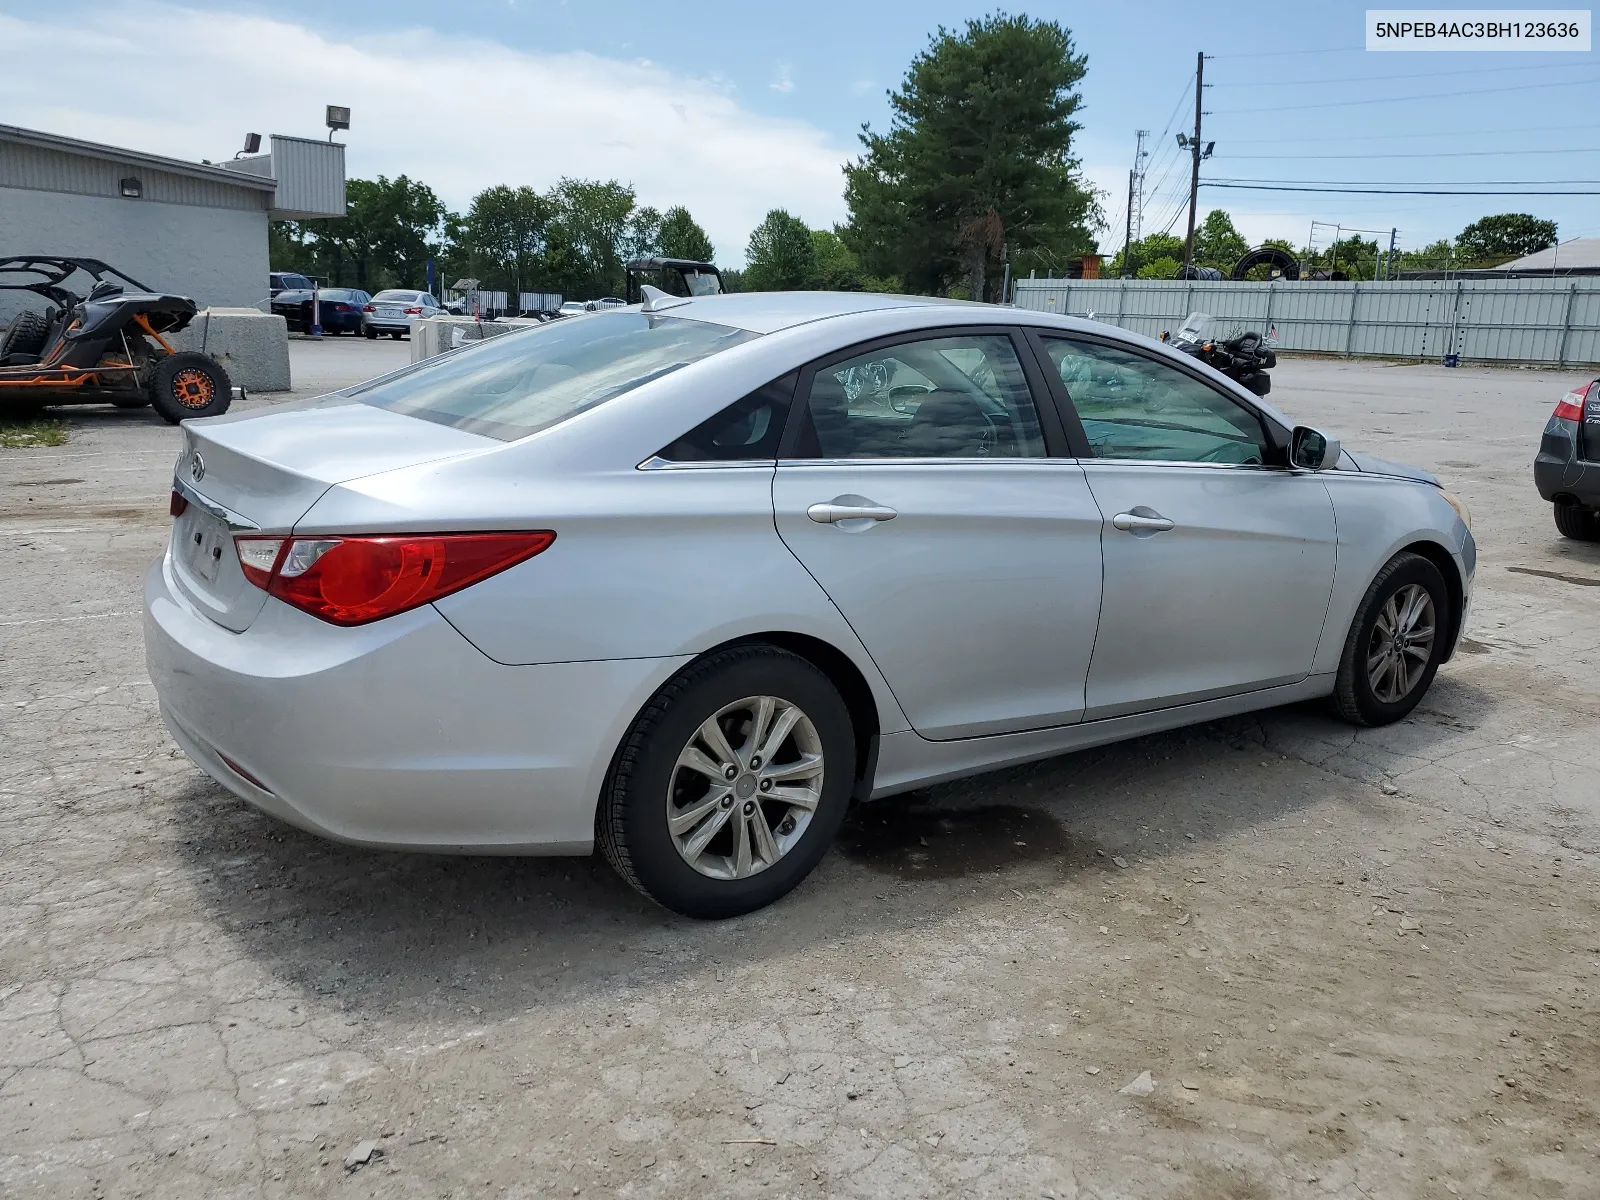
(107, 346)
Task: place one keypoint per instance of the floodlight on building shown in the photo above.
(338, 118)
(131, 187)
(252, 144)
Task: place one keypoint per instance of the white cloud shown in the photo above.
(785, 80)
(458, 113)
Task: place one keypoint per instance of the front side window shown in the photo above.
(519, 383)
(962, 396)
(1134, 407)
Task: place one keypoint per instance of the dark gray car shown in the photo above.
(1567, 469)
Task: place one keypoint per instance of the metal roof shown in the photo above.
(1570, 255)
(116, 154)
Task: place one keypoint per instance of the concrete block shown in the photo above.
(252, 346)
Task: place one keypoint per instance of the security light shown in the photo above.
(338, 118)
(252, 143)
(131, 187)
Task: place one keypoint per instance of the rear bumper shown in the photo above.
(386, 326)
(399, 734)
(1559, 472)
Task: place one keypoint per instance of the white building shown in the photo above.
(175, 226)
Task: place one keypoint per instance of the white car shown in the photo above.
(684, 580)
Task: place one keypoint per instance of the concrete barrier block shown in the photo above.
(252, 346)
(435, 335)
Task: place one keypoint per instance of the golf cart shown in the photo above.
(107, 346)
(674, 276)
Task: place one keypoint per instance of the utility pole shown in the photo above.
(1140, 157)
(1196, 155)
(1127, 237)
(1388, 263)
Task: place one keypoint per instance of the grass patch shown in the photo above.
(17, 433)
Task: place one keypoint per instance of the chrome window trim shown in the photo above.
(656, 463)
(226, 515)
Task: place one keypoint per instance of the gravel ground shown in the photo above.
(1354, 964)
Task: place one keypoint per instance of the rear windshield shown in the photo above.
(519, 383)
(408, 297)
(337, 294)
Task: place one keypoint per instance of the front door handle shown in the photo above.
(1148, 521)
(832, 513)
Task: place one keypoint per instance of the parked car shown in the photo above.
(573, 308)
(339, 309)
(392, 312)
(1567, 468)
(288, 281)
(683, 580)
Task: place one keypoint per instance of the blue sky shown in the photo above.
(734, 108)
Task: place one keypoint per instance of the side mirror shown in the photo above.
(1312, 450)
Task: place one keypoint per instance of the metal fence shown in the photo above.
(1555, 320)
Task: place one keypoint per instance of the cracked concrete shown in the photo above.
(1358, 964)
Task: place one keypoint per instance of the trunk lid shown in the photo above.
(264, 470)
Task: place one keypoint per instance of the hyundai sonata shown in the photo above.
(685, 579)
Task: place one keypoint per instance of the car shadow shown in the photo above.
(390, 933)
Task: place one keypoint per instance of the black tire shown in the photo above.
(372, 334)
(187, 385)
(132, 402)
(25, 334)
(396, 335)
(1355, 697)
(1576, 522)
(631, 822)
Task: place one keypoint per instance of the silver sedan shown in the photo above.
(686, 579)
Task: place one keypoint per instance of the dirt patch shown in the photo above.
(916, 840)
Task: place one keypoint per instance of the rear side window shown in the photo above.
(519, 383)
(748, 429)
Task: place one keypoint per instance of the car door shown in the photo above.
(917, 486)
(1218, 564)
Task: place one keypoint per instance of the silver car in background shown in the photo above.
(392, 311)
(686, 579)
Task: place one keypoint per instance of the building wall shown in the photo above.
(216, 255)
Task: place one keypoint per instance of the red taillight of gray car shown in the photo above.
(1579, 402)
(354, 580)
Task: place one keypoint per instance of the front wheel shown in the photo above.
(1395, 643)
(731, 784)
(187, 385)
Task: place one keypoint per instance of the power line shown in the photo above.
(1421, 182)
(1430, 154)
(1526, 87)
(1362, 191)
(1257, 54)
(1433, 134)
(1474, 71)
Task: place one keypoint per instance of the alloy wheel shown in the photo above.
(744, 789)
(1401, 643)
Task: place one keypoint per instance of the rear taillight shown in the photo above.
(368, 308)
(414, 309)
(354, 580)
(1572, 405)
(179, 502)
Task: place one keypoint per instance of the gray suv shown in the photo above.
(1567, 468)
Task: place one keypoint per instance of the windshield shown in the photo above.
(1197, 327)
(519, 383)
(397, 297)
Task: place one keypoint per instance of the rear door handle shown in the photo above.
(829, 514)
(1145, 522)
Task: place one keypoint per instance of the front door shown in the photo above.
(1218, 567)
(920, 496)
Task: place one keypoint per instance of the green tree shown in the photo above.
(1490, 241)
(977, 161)
(836, 266)
(1144, 252)
(781, 256)
(1218, 244)
(590, 236)
(681, 237)
(505, 231)
(1164, 267)
(1435, 256)
(390, 229)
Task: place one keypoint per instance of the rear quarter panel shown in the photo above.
(1378, 516)
(646, 564)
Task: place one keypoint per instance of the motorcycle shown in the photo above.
(1244, 357)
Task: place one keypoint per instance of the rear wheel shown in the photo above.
(372, 334)
(25, 334)
(188, 385)
(1395, 643)
(1576, 522)
(731, 784)
(397, 335)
